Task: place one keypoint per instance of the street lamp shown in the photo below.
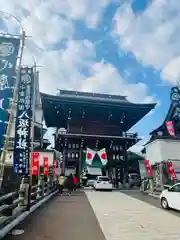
(10, 120)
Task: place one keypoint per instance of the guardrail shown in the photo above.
(14, 206)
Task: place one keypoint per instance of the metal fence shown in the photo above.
(15, 207)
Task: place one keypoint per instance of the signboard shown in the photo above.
(9, 48)
(22, 140)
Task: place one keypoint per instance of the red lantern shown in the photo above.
(35, 163)
(46, 166)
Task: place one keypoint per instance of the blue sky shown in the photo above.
(123, 47)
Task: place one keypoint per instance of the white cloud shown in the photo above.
(153, 37)
(106, 79)
(51, 22)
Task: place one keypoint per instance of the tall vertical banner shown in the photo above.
(171, 171)
(46, 166)
(9, 48)
(35, 163)
(22, 141)
(148, 167)
(54, 168)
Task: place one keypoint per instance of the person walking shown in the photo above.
(70, 184)
(61, 183)
(75, 181)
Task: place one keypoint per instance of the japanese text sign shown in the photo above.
(23, 122)
(9, 48)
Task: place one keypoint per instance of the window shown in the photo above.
(106, 179)
(175, 188)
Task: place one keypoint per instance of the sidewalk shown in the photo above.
(123, 217)
(63, 218)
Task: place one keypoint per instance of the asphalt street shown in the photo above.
(148, 199)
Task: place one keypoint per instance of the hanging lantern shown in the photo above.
(73, 155)
(114, 157)
(117, 148)
(69, 145)
(74, 146)
(77, 155)
(77, 145)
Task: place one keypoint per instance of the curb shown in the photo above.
(23, 216)
(154, 195)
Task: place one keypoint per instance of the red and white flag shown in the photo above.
(90, 156)
(171, 171)
(103, 156)
(170, 128)
(148, 168)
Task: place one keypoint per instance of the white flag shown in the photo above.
(90, 156)
(103, 156)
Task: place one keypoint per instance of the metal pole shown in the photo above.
(12, 106)
(32, 138)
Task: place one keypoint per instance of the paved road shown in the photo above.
(150, 200)
(125, 217)
(63, 218)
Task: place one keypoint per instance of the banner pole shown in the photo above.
(32, 139)
(12, 106)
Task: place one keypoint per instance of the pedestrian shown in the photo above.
(70, 184)
(75, 181)
(61, 183)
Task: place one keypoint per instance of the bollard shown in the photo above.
(39, 189)
(34, 193)
(42, 186)
(22, 193)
